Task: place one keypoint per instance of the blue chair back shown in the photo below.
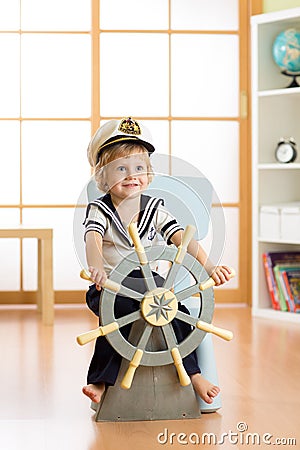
(187, 198)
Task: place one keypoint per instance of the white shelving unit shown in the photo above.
(275, 114)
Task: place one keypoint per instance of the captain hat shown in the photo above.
(118, 131)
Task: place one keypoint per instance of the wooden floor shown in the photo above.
(43, 369)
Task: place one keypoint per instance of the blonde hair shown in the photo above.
(120, 151)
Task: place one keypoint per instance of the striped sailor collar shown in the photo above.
(148, 206)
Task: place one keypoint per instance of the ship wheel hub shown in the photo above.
(159, 307)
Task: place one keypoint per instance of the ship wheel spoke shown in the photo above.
(129, 318)
(205, 326)
(115, 287)
(145, 336)
(186, 318)
(169, 335)
(137, 357)
(187, 292)
(148, 276)
(179, 257)
(127, 292)
(169, 281)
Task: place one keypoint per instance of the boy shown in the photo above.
(120, 153)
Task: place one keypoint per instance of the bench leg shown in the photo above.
(45, 281)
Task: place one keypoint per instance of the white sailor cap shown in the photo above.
(118, 131)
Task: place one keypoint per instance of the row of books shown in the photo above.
(282, 271)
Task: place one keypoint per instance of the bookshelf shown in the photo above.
(275, 114)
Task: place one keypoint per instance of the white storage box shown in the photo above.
(290, 222)
(269, 222)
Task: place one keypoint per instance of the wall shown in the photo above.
(276, 5)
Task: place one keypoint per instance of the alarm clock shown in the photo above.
(286, 150)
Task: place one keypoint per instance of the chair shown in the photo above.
(155, 393)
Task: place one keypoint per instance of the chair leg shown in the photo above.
(207, 363)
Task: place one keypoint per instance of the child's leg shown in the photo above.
(94, 391)
(204, 388)
(105, 363)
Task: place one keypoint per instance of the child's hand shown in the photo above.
(220, 274)
(98, 276)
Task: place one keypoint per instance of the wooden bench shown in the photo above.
(45, 303)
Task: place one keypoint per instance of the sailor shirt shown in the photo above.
(154, 222)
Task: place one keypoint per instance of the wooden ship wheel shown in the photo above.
(158, 307)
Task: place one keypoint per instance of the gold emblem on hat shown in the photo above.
(129, 126)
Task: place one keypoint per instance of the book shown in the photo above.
(290, 299)
(277, 287)
(286, 296)
(282, 292)
(293, 277)
(284, 258)
(271, 283)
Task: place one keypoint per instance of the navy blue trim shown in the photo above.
(148, 207)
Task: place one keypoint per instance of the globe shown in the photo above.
(286, 53)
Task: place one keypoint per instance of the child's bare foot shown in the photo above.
(204, 388)
(94, 391)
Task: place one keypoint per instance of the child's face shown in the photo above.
(126, 177)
